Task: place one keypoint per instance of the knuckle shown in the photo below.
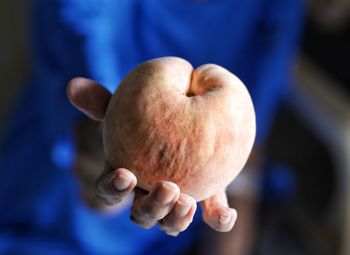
(176, 225)
(152, 211)
(100, 193)
(142, 215)
(142, 222)
(108, 194)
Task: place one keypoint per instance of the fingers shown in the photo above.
(165, 205)
(89, 97)
(112, 187)
(150, 208)
(180, 216)
(217, 214)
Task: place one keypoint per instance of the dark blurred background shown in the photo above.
(14, 63)
(305, 209)
(305, 197)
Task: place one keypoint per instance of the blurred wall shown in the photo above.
(14, 67)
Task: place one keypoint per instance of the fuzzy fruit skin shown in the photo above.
(167, 121)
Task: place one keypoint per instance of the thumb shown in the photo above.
(89, 97)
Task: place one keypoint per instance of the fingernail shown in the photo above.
(225, 219)
(122, 182)
(183, 207)
(166, 193)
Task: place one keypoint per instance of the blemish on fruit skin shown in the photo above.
(190, 94)
(161, 153)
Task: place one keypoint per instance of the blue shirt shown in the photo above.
(103, 39)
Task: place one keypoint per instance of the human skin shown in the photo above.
(164, 204)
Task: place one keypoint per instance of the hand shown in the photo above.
(165, 204)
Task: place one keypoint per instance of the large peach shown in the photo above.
(167, 121)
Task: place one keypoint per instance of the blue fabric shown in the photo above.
(103, 39)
